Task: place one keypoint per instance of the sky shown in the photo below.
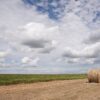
(49, 36)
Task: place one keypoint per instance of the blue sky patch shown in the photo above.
(52, 7)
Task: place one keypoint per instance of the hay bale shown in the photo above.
(94, 76)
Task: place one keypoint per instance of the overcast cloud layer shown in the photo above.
(49, 36)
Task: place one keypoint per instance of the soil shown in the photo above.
(53, 90)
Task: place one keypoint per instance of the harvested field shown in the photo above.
(52, 90)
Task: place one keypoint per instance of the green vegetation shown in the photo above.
(6, 79)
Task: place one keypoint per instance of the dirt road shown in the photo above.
(54, 90)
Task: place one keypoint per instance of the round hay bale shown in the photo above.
(94, 76)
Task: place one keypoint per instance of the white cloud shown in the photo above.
(55, 36)
(39, 37)
(30, 61)
(93, 38)
(26, 60)
(3, 54)
(32, 36)
(89, 54)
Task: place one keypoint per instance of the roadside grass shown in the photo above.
(7, 79)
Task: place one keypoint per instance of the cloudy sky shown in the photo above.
(49, 36)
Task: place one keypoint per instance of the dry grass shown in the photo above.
(52, 90)
(94, 76)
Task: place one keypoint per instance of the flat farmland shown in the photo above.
(8, 79)
(65, 89)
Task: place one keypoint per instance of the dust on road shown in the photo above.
(53, 90)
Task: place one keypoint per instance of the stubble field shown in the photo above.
(73, 89)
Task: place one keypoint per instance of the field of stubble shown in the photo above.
(53, 90)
